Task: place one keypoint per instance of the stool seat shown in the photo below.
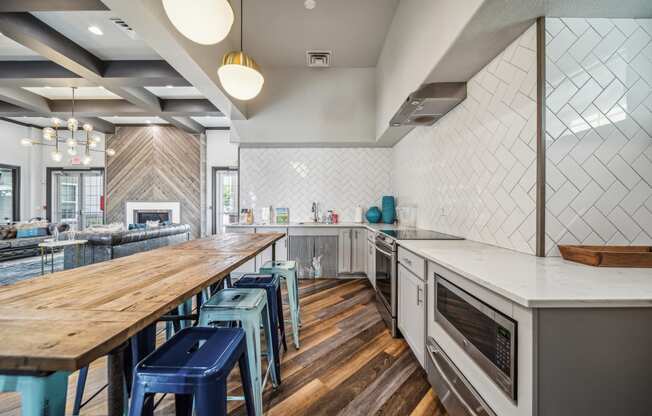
(200, 352)
(234, 298)
(279, 264)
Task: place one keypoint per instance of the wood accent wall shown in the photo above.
(155, 164)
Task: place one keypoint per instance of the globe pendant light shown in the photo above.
(206, 22)
(239, 73)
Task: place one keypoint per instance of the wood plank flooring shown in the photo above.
(348, 364)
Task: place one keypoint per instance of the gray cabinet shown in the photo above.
(411, 311)
(359, 251)
(352, 249)
(344, 251)
(304, 248)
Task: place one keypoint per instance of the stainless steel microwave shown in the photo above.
(487, 335)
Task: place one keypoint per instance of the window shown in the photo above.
(9, 194)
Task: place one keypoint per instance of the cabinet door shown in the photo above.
(344, 251)
(359, 250)
(326, 247)
(371, 263)
(301, 251)
(412, 308)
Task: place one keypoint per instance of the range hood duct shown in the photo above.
(429, 103)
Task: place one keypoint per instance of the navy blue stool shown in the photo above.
(194, 363)
(272, 286)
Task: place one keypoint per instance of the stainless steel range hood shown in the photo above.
(429, 103)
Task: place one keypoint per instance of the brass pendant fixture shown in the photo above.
(239, 74)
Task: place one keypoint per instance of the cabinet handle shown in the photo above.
(419, 296)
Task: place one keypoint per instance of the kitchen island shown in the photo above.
(582, 334)
(63, 321)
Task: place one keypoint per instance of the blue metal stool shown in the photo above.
(271, 284)
(249, 307)
(41, 394)
(194, 364)
(287, 269)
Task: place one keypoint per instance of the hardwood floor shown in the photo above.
(348, 364)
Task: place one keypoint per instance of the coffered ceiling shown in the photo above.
(48, 47)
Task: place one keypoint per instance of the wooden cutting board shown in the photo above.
(608, 256)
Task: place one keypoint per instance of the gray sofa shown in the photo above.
(15, 248)
(107, 246)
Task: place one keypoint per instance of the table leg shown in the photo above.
(52, 262)
(42, 261)
(274, 252)
(116, 405)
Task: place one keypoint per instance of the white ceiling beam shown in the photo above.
(24, 99)
(50, 5)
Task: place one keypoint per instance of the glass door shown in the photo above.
(9, 194)
(225, 198)
(77, 197)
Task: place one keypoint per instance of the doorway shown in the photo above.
(76, 197)
(9, 194)
(226, 195)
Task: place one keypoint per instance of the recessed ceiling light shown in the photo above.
(169, 86)
(95, 30)
(310, 4)
(149, 121)
(47, 87)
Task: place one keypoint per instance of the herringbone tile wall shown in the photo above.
(473, 173)
(336, 178)
(598, 128)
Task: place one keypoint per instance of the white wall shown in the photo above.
(33, 162)
(598, 132)
(419, 36)
(336, 178)
(312, 105)
(220, 152)
(14, 154)
(473, 173)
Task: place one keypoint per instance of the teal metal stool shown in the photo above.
(40, 394)
(287, 270)
(249, 307)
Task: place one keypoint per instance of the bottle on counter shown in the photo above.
(336, 217)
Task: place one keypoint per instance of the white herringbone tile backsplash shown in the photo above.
(598, 128)
(336, 178)
(473, 173)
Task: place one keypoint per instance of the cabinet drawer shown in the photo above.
(412, 262)
(371, 235)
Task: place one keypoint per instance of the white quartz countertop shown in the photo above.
(535, 282)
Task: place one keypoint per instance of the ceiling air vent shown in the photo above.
(318, 59)
(124, 27)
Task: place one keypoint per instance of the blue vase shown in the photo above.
(389, 209)
(373, 215)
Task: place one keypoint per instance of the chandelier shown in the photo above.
(82, 146)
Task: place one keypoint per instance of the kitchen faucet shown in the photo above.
(315, 213)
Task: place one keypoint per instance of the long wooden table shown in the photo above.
(66, 320)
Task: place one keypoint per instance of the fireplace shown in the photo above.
(141, 212)
(141, 216)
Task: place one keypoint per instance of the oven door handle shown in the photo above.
(385, 253)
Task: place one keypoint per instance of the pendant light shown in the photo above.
(239, 73)
(206, 22)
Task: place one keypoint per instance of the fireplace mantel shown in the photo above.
(133, 206)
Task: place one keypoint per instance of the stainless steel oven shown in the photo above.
(386, 287)
(487, 335)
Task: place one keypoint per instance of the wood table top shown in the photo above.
(65, 320)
